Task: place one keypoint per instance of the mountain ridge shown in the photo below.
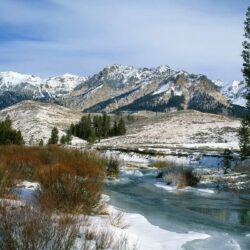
(126, 88)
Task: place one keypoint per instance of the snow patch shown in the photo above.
(148, 236)
(26, 191)
(234, 91)
(162, 89)
(186, 189)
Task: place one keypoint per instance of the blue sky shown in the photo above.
(52, 37)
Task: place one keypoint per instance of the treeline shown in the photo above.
(8, 135)
(97, 127)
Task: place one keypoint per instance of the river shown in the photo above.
(222, 215)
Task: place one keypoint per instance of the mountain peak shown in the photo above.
(163, 68)
(67, 75)
(124, 87)
(15, 87)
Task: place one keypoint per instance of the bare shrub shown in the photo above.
(101, 209)
(122, 243)
(180, 176)
(26, 228)
(70, 179)
(5, 182)
(68, 192)
(90, 233)
(163, 164)
(112, 166)
(104, 239)
(243, 166)
(117, 219)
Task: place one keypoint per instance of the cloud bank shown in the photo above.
(51, 37)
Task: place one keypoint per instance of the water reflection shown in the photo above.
(243, 216)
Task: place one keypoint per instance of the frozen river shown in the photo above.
(222, 215)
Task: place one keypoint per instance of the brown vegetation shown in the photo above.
(163, 164)
(117, 220)
(29, 228)
(70, 179)
(180, 176)
(70, 182)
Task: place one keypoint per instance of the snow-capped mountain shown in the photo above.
(126, 88)
(234, 91)
(15, 87)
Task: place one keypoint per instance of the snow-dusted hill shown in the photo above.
(183, 129)
(173, 132)
(35, 119)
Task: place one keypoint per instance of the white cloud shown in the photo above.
(83, 36)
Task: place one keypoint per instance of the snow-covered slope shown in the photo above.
(36, 119)
(174, 131)
(126, 88)
(10, 81)
(15, 87)
(113, 82)
(234, 91)
(161, 89)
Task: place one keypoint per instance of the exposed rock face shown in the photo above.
(234, 91)
(125, 88)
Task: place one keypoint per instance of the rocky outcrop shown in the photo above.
(125, 88)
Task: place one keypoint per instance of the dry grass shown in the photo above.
(27, 228)
(243, 166)
(104, 239)
(180, 176)
(112, 166)
(71, 180)
(117, 220)
(163, 164)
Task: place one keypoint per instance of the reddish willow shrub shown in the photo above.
(70, 179)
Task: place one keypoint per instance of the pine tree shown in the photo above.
(19, 138)
(63, 139)
(41, 143)
(68, 137)
(9, 135)
(97, 123)
(226, 161)
(244, 138)
(105, 125)
(121, 127)
(54, 136)
(91, 137)
(246, 56)
(244, 132)
(8, 122)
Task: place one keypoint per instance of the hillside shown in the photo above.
(173, 132)
(35, 119)
(145, 130)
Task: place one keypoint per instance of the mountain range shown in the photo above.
(125, 88)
